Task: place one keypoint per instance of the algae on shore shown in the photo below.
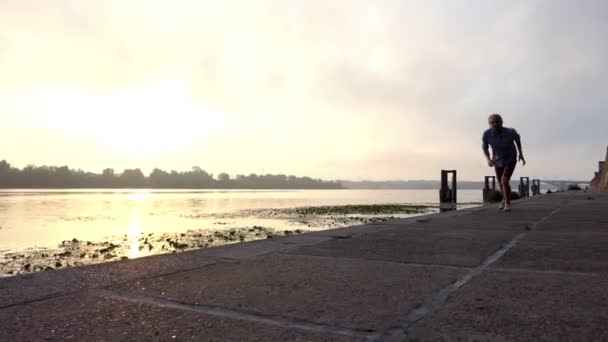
(78, 253)
(297, 220)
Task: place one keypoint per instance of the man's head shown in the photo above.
(495, 121)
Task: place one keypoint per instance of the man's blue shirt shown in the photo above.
(503, 145)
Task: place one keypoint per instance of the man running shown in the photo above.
(504, 155)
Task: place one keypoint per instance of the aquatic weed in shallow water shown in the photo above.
(77, 253)
(371, 209)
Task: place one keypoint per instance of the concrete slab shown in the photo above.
(357, 294)
(519, 214)
(442, 246)
(521, 307)
(432, 216)
(593, 209)
(89, 318)
(598, 218)
(347, 232)
(573, 252)
(473, 224)
(40, 285)
(31, 287)
(564, 224)
(490, 218)
(260, 247)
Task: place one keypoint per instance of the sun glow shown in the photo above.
(147, 120)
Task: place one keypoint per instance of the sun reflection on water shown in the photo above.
(139, 196)
(134, 232)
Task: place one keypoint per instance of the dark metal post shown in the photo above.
(447, 195)
(454, 189)
(524, 186)
(535, 187)
(487, 190)
(487, 182)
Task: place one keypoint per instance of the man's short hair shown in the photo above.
(496, 117)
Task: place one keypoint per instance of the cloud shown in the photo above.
(393, 88)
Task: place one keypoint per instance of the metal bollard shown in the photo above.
(487, 182)
(524, 186)
(535, 187)
(489, 188)
(447, 195)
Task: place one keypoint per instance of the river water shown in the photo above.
(42, 230)
(42, 218)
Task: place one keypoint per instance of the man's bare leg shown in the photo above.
(505, 187)
(499, 176)
(502, 202)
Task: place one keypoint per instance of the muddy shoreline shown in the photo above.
(74, 252)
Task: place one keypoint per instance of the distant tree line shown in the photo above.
(63, 177)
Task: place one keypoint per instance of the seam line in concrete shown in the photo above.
(458, 268)
(548, 272)
(280, 249)
(60, 294)
(443, 294)
(219, 311)
(40, 299)
(411, 264)
(290, 248)
(153, 276)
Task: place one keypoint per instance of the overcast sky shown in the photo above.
(337, 89)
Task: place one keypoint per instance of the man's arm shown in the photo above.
(517, 139)
(486, 151)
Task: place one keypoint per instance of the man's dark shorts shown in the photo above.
(505, 171)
